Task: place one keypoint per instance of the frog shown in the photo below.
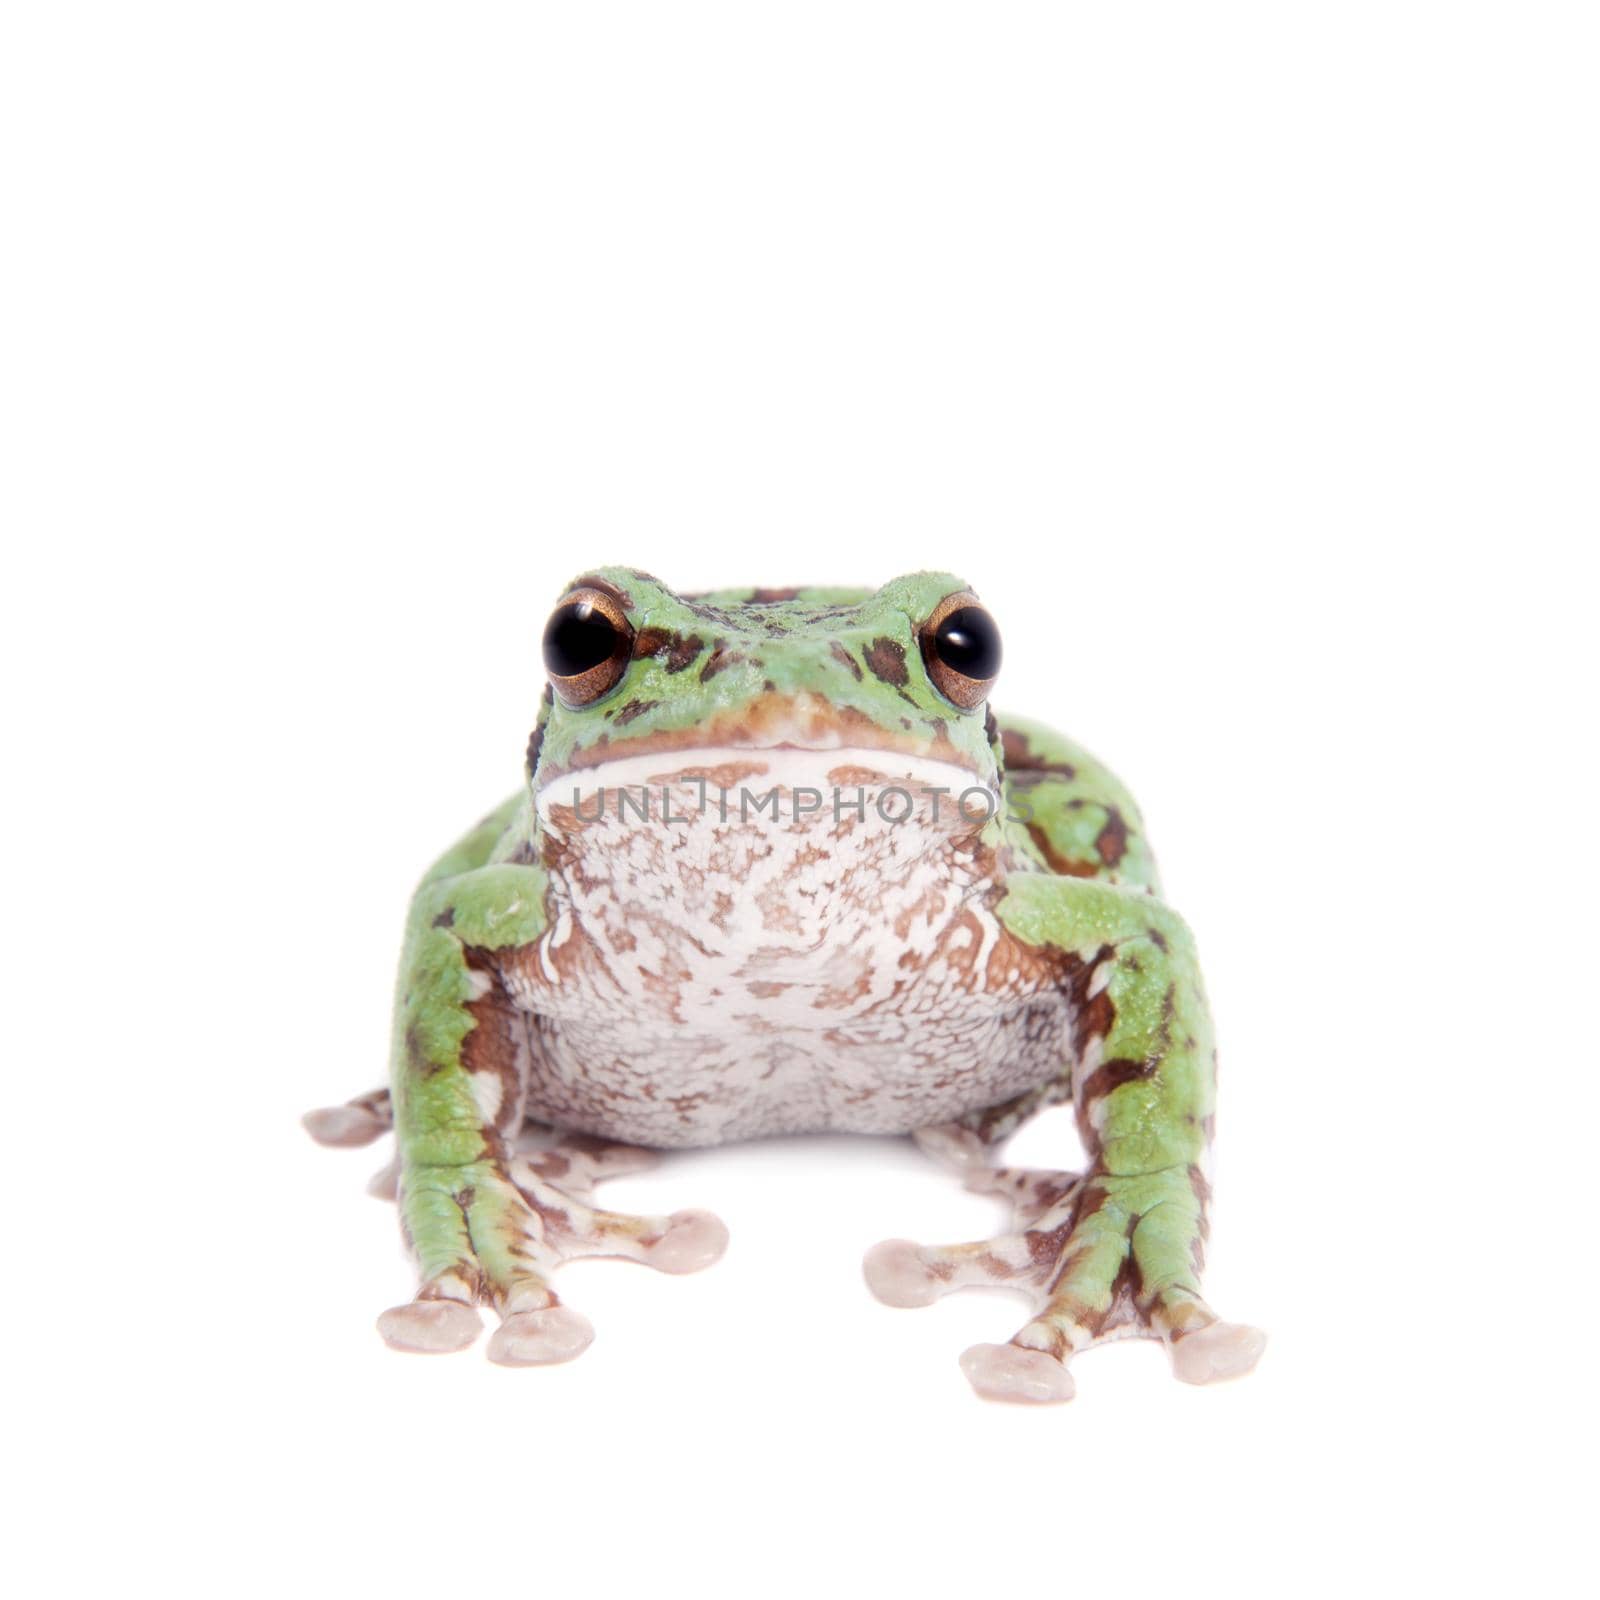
(776, 867)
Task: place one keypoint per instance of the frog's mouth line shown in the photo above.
(728, 782)
(774, 722)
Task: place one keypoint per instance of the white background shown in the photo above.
(1243, 356)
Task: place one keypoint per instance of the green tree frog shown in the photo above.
(778, 868)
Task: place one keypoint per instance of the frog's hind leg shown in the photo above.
(556, 1182)
(1123, 1261)
(1116, 1252)
(494, 1234)
(562, 1225)
(1099, 1261)
(902, 1273)
(556, 1178)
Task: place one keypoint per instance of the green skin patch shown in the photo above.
(1061, 875)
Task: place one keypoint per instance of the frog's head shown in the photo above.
(646, 684)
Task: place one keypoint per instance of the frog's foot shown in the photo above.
(1202, 1347)
(570, 1227)
(507, 1228)
(356, 1122)
(1103, 1258)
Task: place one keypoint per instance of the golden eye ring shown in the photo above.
(961, 649)
(587, 643)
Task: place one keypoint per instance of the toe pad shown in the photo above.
(1222, 1350)
(343, 1126)
(1009, 1372)
(430, 1326)
(538, 1338)
(695, 1240)
(897, 1273)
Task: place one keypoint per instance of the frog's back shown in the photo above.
(1071, 815)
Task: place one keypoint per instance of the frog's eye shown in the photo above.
(587, 642)
(961, 650)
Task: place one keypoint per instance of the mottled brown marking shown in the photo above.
(595, 1088)
(536, 738)
(856, 777)
(1112, 842)
(723, 775)
(845, 659)
(496, 1040)
(1094, 1014)
(635, 708)
(379, 1103)
(1127, 1288)
(771, 597)
(720, 659)
(1054, 1338)
(886, 659)
(1111, 1075)
(417, 1058)
(1054, 859)
(1045, 1246)
(1021, 757)
(679, 652)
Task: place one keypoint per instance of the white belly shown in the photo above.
(718, 978)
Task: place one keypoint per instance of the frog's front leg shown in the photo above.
(488, 1224)
(1116, 1251)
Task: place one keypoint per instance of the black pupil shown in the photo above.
(576, 638)
(969, 643)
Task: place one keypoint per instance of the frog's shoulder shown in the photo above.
(502, 836)
(1068, 813)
